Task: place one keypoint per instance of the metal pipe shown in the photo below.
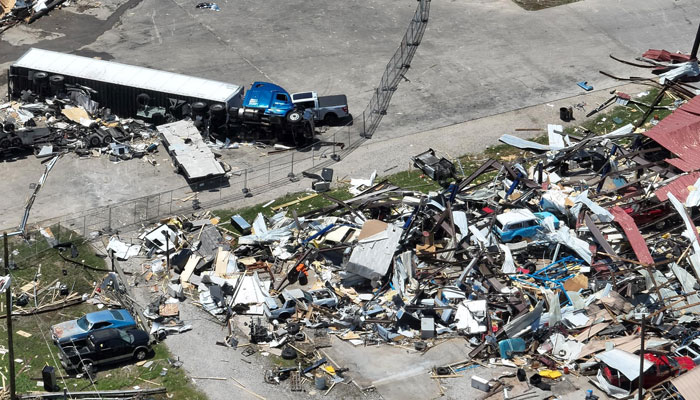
(696, 44)
(641, 362)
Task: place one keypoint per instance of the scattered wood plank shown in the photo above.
(293, 202)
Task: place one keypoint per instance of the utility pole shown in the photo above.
(641, 363)
(696, 44)
(8, 304)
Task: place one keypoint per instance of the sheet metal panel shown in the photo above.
(680, 134)
(679, 187)
(127, 75)
(633, 235)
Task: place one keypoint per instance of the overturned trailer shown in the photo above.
(120, 87)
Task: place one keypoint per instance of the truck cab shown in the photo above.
(272, 101)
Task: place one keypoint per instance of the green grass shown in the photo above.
(38, 350)
(604, 121)
(413, 179)
(249, 213)
(507, 152)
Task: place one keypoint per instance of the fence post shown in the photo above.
(291, 175)
(364, 126)
(334, 156)
(246, 191)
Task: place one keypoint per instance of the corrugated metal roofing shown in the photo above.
(635, 238)
(680, 134)
(127, 75)
(679, 187)
(688, 384)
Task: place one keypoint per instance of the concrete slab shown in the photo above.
(397, 373)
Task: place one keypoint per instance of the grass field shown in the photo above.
(33, 346)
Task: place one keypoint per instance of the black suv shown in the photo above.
(103, 347)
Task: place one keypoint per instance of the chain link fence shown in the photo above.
(274, 173)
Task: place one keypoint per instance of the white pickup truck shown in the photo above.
(329, 109)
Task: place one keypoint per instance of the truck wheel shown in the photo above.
(40, 77)
(294, 116)
(4, 144)
(140, 354)
(107, 139)
(330, 119)
(16, 142)
(95, 141)
(87, 366)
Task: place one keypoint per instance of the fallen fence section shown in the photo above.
(122, 394)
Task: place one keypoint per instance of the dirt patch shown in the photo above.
(535, 5)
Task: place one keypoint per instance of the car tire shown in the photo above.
(16, 142)
(284, 316)
(140, 354)
(330, 119)
(295, 116)
(95, 141)
(517, 239)
(288, 353)
(4, 144)
(293, 328)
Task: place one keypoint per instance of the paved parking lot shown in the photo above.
(477, 58)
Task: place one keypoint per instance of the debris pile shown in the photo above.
(13, 12)
(580, 256)
(72, 122)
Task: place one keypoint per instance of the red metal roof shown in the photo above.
(679, 187)
(633, 235)
(663, 55)
(680, 134)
